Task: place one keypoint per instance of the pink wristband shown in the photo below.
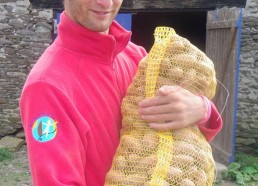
(208, 106)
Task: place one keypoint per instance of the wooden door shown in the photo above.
(223, 48)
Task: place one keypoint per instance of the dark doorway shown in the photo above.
(191, 25)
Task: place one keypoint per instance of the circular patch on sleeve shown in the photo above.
(44, 129)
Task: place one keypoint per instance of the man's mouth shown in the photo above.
(101, 12)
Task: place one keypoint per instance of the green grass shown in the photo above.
(5, 154)
(243, 171)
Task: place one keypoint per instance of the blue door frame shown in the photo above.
(123, 19)
(239, 26)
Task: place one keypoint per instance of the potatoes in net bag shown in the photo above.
(146, 157)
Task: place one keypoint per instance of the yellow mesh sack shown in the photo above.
(146, 157)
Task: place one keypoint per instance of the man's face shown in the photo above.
(96, 15)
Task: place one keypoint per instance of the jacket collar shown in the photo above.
(86, 42)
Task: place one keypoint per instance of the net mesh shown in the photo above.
(147, 157)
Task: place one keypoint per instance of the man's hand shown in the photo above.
(173, 108)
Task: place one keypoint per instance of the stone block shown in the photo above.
(20, 135)
(12, 143)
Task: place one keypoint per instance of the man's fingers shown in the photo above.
(152, 102)
(161, 98)
(160, 109)
(159, 117)
(166, 126)
(165, 90)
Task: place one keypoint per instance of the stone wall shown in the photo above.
(24, 35)
(247, 114)
(26, 32)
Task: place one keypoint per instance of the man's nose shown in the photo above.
(105, 3)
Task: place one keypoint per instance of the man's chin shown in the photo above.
(101, 29)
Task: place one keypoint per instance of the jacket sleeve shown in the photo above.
(214, 124)
(55, 150)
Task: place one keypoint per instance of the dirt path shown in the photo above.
(15, 172)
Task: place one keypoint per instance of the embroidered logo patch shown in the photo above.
(44, 129)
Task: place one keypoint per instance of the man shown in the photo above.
(70, 104)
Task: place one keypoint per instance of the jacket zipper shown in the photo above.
(116, 79)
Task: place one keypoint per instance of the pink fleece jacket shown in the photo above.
(70, 104)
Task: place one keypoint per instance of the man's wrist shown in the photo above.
(207, 109)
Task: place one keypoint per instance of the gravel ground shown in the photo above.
(15, 172)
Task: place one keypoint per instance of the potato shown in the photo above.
(150, 171)
(132, 161)
(176, 47)
(143, 64)
(200, 178)
(186, 135)
(189, 81)
(166, 81)
(146, 163)
(207, 86)
(184, 148)
(120, 163)
(187, 182)
(129, 144)
(129, 108)
(135, 179)
(164, 66)
(202, 161)
(141, 165)
(131, 124)
(115, 178)
(191, 172)
(161, 182)
(150, 142)
(202, 83)
(182, 161)
(174, 174)
(184, 60)
(176, 73)
(170, 75)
